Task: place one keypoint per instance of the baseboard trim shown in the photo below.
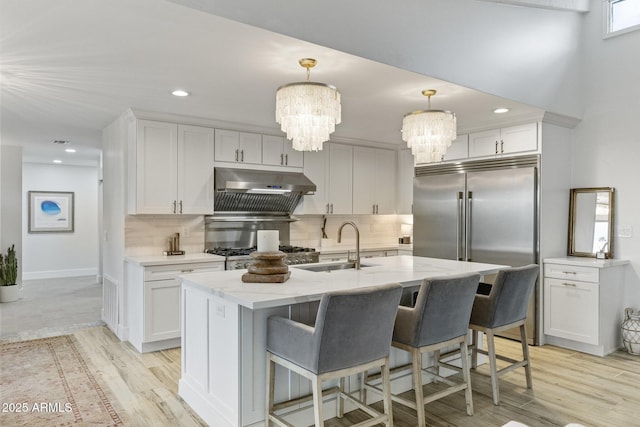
(55, 274)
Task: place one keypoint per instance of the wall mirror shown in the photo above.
(591, 222)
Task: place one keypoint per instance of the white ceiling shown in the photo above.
(70, 67)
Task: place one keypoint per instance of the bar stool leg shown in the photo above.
(474, 348)
(525, 355)
(417, 385)
(340, 399)
(493, 365)
(316, 385)
(386, 384)
(464, 357)
(271, 366)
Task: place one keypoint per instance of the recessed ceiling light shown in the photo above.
(501, 110)
(70, 150)
(180, 92)
(57, 161)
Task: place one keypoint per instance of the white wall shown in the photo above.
(607, 142)
(47, 255)
(11, 201)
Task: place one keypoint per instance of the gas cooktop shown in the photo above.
(229, 252)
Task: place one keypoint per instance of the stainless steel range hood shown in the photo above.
(260, 181)
(259, 191)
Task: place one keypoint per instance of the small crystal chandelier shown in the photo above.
(428, 132)
(308, 112)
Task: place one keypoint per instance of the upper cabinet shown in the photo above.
(459, 148)
(277, 151)
(173, 169)
(406, 172)
(507, 140)
(331, 171)
(316, 165)
(238, 147)
(374, 181)
(340, 179)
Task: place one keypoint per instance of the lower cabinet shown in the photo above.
(342, 256)
(584, 303)
(154, 300)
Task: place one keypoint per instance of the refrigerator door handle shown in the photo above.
(460, 227)
(467, 246)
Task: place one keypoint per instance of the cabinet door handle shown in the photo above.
(282, 159)
(331, 207)
(569, 284)
(377, 208)
(187, 270)
(373, 209)
(327, 207)
(496, 147)
(237, 151)
(286, 159)
(501, 146)
(174, 206)
(242, 156)
(180, 206)
(569, 272)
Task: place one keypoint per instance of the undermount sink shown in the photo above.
(331, 267)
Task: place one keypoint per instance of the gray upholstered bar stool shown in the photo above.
(505, 307)
(438, 321)
(352, 334)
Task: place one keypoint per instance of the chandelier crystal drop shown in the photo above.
(308, 112)
(428, 133)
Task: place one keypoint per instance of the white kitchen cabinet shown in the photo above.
(374, 181)
(315, 168)
(583, 303)
(330, 170)
(155, 300)
(277, 151)
(340, 179)
(459, 148)
(173, 169)
(508, 140)
(367, 253)
(238, 147)
(406, 173)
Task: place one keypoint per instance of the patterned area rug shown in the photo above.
(47, 382)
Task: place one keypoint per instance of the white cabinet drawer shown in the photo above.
(167, 272)
(572, 272)
(572, 310)
(371, 254)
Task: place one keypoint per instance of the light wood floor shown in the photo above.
(568, 387)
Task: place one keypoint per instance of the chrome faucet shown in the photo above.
(355, 227)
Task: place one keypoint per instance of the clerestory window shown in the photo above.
(622, 16)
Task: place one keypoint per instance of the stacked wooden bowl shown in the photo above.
(268, 267)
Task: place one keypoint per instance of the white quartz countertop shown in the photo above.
(304, 286)
(146, 261)
(586, 261)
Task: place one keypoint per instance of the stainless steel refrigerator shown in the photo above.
(481, 211)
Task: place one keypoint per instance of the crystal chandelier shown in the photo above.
(308, 112)
(428, 132)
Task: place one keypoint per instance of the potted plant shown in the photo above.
(9, 289)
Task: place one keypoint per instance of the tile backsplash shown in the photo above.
(148, 234)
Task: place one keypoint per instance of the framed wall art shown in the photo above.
(50, 212)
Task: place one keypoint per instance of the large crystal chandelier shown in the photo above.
(308, 112)
(428, 132)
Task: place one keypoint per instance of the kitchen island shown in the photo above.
(224, 330)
